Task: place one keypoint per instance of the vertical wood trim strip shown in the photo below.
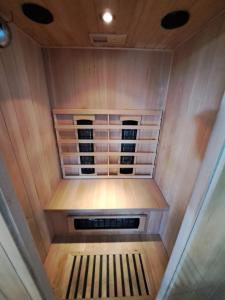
(96, 282)
(89, 278)
(71, 277)
(93, 278)
(59, 146)
(140, 275)
(75, 274)
(136, 274)
(78, 278)
(129, 276)
(82, 275)
(107, 278)
(100, 278)
(86, 277)
(114, 273)
(143, 273)
(111, 276)
(122, 276)
(104, 276)
(126, 277)
(118, 276)
(133, 278)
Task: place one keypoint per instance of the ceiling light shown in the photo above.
(107, 17)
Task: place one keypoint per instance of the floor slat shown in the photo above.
(98, 276)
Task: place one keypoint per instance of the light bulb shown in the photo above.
(107, 17)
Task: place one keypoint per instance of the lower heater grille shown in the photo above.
(99, 224)
(107, 275)
(106, 223)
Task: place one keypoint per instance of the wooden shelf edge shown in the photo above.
(69, 189)
(70, 111)
(107, 127)
(106, 141)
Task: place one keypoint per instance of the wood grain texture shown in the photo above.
(200, 272)
(95, 194)
(107, 79)
(105, 197)
(107, 129)
(17, 245)
(57, 262)
(207, 179)
(58, 220)
(139, 19)
(195, 92)
(106, 286)
(27, 140)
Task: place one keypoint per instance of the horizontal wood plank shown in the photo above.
(138, 154)
(124, 176)
(109, 166)
(106, 141)
(130, 112)
(107, 127)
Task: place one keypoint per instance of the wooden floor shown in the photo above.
(57, 261)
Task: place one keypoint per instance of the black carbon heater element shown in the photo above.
(128, 134)
(86, 134)
(106, 223)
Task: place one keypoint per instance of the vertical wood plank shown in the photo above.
(199, 71)
(25, 111)
(96, 282)
(82, 275)
(90, 272)
(75, 275)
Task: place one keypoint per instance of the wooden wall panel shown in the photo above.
(107, 79)
(200, 271)
(195, 90)
(27, 139)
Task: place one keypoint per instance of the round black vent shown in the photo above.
(175, 19)
(37, 13)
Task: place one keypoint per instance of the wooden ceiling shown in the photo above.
(139, 19)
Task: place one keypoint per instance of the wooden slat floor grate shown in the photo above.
(107, 276)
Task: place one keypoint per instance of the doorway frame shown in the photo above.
(17, 242)
(206, 179)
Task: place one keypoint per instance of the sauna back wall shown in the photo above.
(26, 135)
(195, 91)
(107, 79)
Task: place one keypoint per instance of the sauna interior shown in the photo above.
(104, 123)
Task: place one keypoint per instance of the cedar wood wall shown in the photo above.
(27, 141)
(109, 79)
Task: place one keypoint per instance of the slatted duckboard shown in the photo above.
(112, 143)
(107, 276)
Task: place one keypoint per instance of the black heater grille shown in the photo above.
(128, 134)
(106, 223)
(86, 134)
